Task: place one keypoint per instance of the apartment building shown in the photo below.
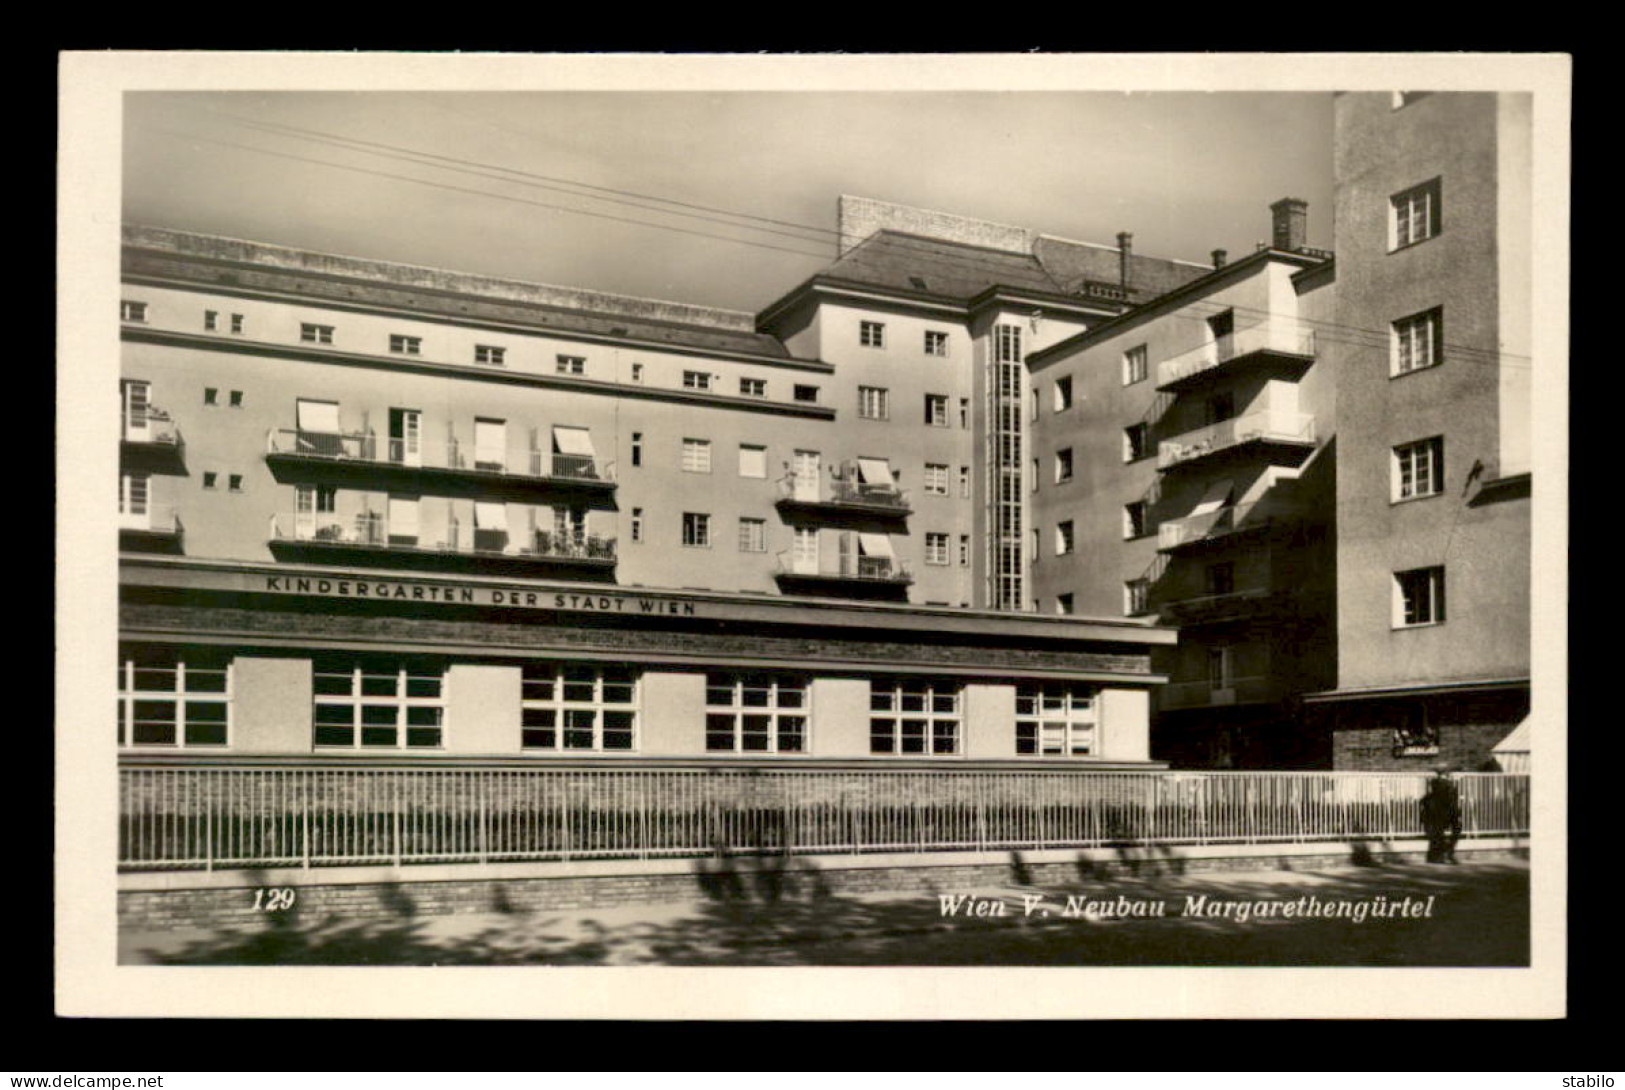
(372, 511)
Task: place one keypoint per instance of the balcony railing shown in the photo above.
(152, 426)
(372, 531)
(844, 493)
(230, 814)
(1245, 602)
(1277, 336)
(152, 519)
(856, 567)
(1268, 425)
(1205, 694)
(452, 456)
(1216, 525)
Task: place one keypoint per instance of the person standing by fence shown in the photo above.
(1441, 817)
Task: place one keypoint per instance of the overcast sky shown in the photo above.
(1185, 172)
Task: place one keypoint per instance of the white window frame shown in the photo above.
(1064, 467)
(1433, 578)
(1066, 538)
(753, 456)
(698, 380)
(696, 530)
(888, 715)
(936, 410)
(874, 403)
(405, 344)
(936, 342)
(788, 701)
(1418, 469)
(1136, 597)
(1414, 215)
(936, 548)
(569, 365)
(180, 695)
(872, 334)
(543, 688)
(696, 455)
(132, 310)
(490, 354)
(1414, 337)
(753, 387)
(313, 333)
(936, 479)
(1063, 393)
(1057, 719)
(752, 534)
(406, 676)
(1136, 364)
(1132, 451)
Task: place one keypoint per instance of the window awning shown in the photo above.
(1217, 496)
(573, 441)
(322, 416)
(490, 516)
(875, 471)
(875, 545)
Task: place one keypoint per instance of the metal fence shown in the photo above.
(230, 816)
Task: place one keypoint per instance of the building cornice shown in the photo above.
(828, 288)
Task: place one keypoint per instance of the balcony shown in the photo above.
(151, 530)
(1281, 347)
(1225, 526)
(367, 539)
(151, 442)
(1275, 434)
(1235, 605)
(839, 496)
(1233, 691)
(850, 576)
(451, 468)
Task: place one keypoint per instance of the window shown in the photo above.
(134, 496)
(914, 716)
(1419, 469)
(1064, 538)
(752, 535)
(1136, 597)
(755, 713)
(697, 380)
(174, 699)
(234, 482)
(1063, 604)
(753, 387)
(1063, 393)
(936, 410)
(577, 706)
(696, 530)
(806, 393)
(696, 455)
(404, 345)
(315, 334)
(637, 372)
(1134, 519)
(1220, 579)
(872, 334)
(236, 323)
(1032, 544)
(1007, 344)
(1415, 215)
(1136, 442)
(1414, 735)
(490, 353)
(964, 412)
(211, 396)
(936, 343)
(1032, 478)
(315, 510)
(752, 461)
(637, 524)
(964, 482)
(936, 479)
(210, 478)
(873, 403)
(378, 703)
(1056, 719)
(1418, 597)
(637, 448)
(131, 311)
(936, 548)
(964, 550)
(1221, 668)
(1063, 465)
(570, 365)
(211, 320)
(1417, 342)
(1135, 365)
(236, 399)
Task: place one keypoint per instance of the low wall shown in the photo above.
(163, 901)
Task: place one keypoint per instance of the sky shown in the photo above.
(502, 179)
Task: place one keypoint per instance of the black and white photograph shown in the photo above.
(1069, 517)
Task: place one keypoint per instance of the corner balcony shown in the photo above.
(1226, 526)
(1236, 605)
(151, 530)
(367, 540)
(151, 442)
(848, 497)
(1283, 348)
(1229, 692)
(851, 576)
(1274, 435)
(451, 468)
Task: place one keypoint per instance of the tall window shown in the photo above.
(1136, 365)
(873, 403)
(752, 535)
(1415, 215)
(696, 530)
(1134, 519)
(366, 703)
(872, 334)
(1056, 719)
(1136, 442)
(406, 346)
(755, 713)
(577, 707)
(1136, 597)
(696, 456)
(936, 479)
(1006, 462)
(1419, 468)
(1065, 538)
(570, 365)
(936, 548)
(936, 343)
(1063, 604)
(936, 410)
(914, 716)
(752, 460)
(1418, 597)
(174, 699)
(1417, 341)
(134, 500)
(1063, 393)
(1063, 465)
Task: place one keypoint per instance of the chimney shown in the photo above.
(1219, 258)
(1291, 221)
(1125, 254)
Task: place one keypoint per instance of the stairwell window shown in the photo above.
(1418, 597)
(1065, 538)
(577, 707)
(1413, 215)
(1417, 342)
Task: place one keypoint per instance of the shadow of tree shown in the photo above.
(775, 914)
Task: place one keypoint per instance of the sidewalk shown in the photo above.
(1474, 914)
